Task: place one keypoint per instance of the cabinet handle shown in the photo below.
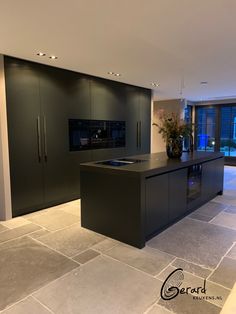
(137, 135)
(140, 138)
(45, 139)
(39, 139)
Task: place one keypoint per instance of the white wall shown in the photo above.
(5, 190)
(172, 105)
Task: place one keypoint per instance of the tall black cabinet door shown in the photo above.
(177, 193)
(107, 100)
(79, 107)
(54, 102)
(145, 121)
(132, 120)
(157, 207)
(24, 124)
(107, 103)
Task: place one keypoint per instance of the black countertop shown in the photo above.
(156, 163)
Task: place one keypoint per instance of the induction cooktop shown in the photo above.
(120, 162)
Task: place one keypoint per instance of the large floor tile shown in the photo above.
(200, 217)
(72, 209)
(86, 256)
(27, 306)
(39, 233)
(191, 268)
(15, 222)
(231, 209)
(147, 260)
(26, 266)
(101, 286)
(226, 220)
(11, 234)
(3, 228)
(232, 252)
(105, 245)
(54, 220)
(71, 241)
(225, 273)
(226, 199)
(185, 304)
(195, 241)
(157, 309)
(210, 209)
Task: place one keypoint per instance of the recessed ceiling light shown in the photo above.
(203, 82)
(41, 54)
(155, 84)
(53, 57)
(113, 73)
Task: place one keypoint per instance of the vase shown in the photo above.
(174, 147)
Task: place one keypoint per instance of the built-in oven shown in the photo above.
(194, 182)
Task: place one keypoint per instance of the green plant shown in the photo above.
(172, 127)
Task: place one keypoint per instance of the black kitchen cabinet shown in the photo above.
(64, 95)
(40, 102)
(107, 153)
(107, 100)
(177, 193)
(207, 177)
(107, 103)
(145, 121)
(138, 117)
(139, 200)
(55, 111)
(24, 132)
(212, 172)
(157, 206)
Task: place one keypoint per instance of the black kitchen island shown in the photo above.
(131, 199)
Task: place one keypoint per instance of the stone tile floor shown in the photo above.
(49, 264)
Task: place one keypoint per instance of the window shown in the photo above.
(205, 128)
(187, 119)
(228, 130)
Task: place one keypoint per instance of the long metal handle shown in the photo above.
(39, 139)
(140, 134)
(45, 139)
(137, 135)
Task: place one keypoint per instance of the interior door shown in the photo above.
(24, 131)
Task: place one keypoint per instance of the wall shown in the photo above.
(5, 192)
(172, 105)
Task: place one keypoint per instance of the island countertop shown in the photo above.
(133, 202)
(155, 163)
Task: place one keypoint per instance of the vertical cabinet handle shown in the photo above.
(140, 134)
(45, 138)
(39, 139)
(137, 135)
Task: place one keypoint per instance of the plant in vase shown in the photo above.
(173, 130)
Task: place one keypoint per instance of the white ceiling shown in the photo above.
(145, 40)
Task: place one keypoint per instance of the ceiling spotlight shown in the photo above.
(41, 54)
(113, 73)
(53, 57)
(203, 82)
(155, 84)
